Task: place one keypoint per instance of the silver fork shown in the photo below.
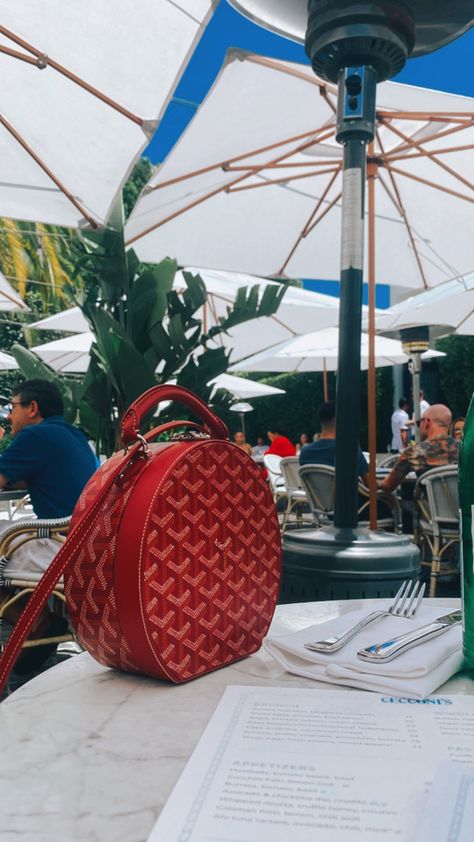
(405, 604)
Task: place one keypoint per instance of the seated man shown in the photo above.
(323, 451)
(436, 448)
(53, 461)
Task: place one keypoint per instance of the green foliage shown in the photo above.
(145, 334)
(456, 372)
(140, 175)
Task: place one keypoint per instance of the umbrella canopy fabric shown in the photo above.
(243, 388)
(7, 362)
(318, 351)
(70, 321)
(299, 312)
(69, 355)
(10, 301)
(84, 86)
(450, 305)
(263, 195)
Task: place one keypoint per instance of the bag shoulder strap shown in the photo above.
(58, 566)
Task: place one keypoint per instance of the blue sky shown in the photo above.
(449, 69)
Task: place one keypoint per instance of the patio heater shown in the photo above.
(357, 45)
(242, 407)
(415, 341)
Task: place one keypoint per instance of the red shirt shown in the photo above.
(281, 446)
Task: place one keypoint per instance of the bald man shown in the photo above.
(436, 448)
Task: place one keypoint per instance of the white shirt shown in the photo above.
(424, 405)
(399, 422)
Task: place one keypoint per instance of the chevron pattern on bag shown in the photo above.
(209, 565)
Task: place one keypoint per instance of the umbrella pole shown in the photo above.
(371, 383)
(325, 380)
(416, 368)
(356, 86)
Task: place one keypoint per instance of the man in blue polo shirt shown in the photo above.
(53, 461)
(323, 451)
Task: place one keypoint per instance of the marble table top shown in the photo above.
(88, 753)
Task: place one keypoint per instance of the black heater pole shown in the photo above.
(355, 129)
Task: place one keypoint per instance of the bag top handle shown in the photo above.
(130, 424)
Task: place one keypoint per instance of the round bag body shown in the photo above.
(180, 574)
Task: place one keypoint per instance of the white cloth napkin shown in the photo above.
(416, 673)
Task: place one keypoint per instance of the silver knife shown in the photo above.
(389, 649)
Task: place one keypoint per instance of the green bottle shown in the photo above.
(466, 501)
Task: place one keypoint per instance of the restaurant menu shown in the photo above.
(299, 765)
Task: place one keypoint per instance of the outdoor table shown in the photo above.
(91, 753)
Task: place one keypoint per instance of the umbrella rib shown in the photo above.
(226, 164)
(290, 71)
(430, 155)
(21, 56)
(303, 232)
(46, 169)
(14, 300)
(389, 193)
(284, 180)
(438, 135)
(430, 183)
(246, 167)
(222, 189)
(444, 151)
(46, 61)
(323, 214)
(466, 317)
(437, 116)
(404, 217)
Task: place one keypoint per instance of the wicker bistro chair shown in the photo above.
(319, 481)
(296, 494)
(275, 477)
(436, 517)
(23, 582)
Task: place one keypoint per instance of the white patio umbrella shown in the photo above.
(10, 301)
(450, 305)
(70, 321)
(69, 355)
(263, 194)
(7, 362)
(319, 351)
(84, 85)
(299, 312)
(243, 388)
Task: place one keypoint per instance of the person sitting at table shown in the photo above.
(259, 449)
(457, 427)
(239, 439)
(437, 447)
(323, 451)
(53, 461)
(280, 445)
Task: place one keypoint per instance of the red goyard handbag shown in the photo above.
(172, 562)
